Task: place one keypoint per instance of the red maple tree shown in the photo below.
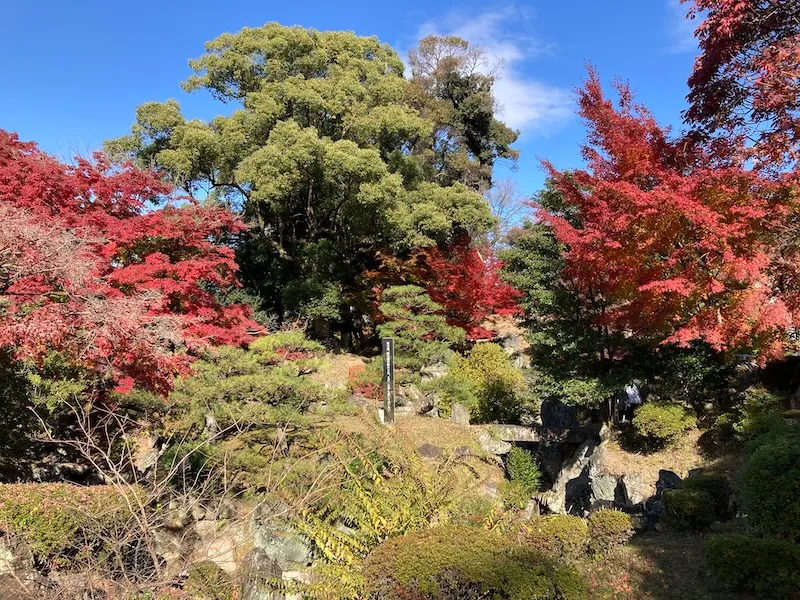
(746, 81)
(678, 246)
(465, 281)
(101, 263)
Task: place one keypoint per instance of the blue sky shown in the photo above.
(73, 72)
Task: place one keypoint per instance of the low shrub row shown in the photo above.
(463, 563)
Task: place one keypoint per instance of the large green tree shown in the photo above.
(323, 148)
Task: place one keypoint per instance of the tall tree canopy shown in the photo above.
(746, 80)
(93, 269)
(452, 86)
(669, 246)
(327, 151)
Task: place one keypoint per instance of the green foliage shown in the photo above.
(514, 494)
(689, 509)
(769, 483)
(377, 491)
(563, 536)
(768, 568)
(522, 468)
(660, 424)
(450, 563)
(246, 408)
(332, 153)
(575, 358)
(58, 521)
(207, 581)
(691, 375)
(718, 488)
(495, 382)
(421, 334)
(608, 529)
(757, 411)
(451, 390)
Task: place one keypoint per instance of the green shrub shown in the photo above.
(462, 563)
(718, 488)
(514, 494)
(207, 581)
(450, 390)
(769, 568)
(522, 468)
(417, 324)
(496, 383)
(757, 413)
(659, 424)
(562, 536)
(769, 484)
(608, 529)
(58, 521)
(691, 510)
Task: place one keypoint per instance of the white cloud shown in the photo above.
(679, 29)
(525, 103)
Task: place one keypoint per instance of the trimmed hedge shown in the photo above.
(769, 484)
(608, 529)
(463, 563)
(561, 536)
(660, 424)
(770, 568)
(716, 486)
(689, 510)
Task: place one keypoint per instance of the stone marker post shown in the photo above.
(387, 353)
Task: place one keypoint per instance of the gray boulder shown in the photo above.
(491, 445)
(459, 414)
(287, 547)
(635, 491)
(429, 452)
(256, 570)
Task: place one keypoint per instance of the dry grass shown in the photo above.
(680, 458)
(334, 369)
(655, 567)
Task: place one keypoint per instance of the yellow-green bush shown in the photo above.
(659, 424)
(563, 536)
(497, 385)
(465, 563)
(58, 521)
(608, 529)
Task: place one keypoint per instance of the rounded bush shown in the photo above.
(464, 563)
(563, 536)
(689, 510)
(769, 568)
(660, 424)
(769, 485)
(716, 486)
(608, 529)
(496, 383)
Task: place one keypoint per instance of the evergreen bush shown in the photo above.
(421, 333)
(659, 424)
(769, 484)
(608, 529)
(769, 568)
(464, 563)
(689, 509)
(562, 536)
